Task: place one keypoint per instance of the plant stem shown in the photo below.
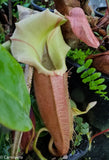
(10, 15)
(16, 145)
(96, 135)
(32, 136)
(37, 151)
(18, 135)
(107, 3)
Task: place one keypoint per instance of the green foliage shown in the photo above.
(14, 96)
(40, 123)
(79, 55)
(25, 3)
(88, 73)
(2, 37)
(5, 144)
(85, 66)
(38, 118)
(80, 129)
(41, 5)
(93, 78)
(50, 4)
(97, 34)
(2, 34)
(3, 2)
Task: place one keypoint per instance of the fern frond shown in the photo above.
(89, 74)
(93, 78)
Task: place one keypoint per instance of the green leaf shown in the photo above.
(93, 86)
(88, 63)
(80, 69)
(78, 120)
(99, 81)
(85, 66)
(102, 94)
(88, 79)
(95, 76)
(84, 128)
(77, 140)
(102, 87)
(14, 96)
(96, 33)
(96, 82)
(92, 77)
(3, 1)
(88, 72)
